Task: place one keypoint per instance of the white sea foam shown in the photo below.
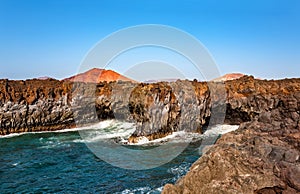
(146, 190)
(79, 141)
(179, 170)
(183, 136)
(111, 129)
(108, 130)
(220, 130)
(144, 140)
(15, 164)
(37, 132)
(12, 135)
(209, 137)
(100, 125)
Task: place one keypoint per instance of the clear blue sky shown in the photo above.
(51, 37)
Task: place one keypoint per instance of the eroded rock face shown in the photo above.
(262, 156)
(34, 105)
(162, 108)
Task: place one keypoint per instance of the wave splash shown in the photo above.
(121, 131)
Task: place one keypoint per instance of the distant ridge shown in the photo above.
(44, 78)
(97, 75)
(161, 80)
(229, 76)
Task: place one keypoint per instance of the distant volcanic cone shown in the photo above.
(96, 75)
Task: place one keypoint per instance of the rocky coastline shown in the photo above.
(157, 108)
(262, 156)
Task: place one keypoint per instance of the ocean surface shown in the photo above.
(61, 162)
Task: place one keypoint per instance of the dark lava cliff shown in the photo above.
(262, 156)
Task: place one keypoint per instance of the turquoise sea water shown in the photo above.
(60, 162)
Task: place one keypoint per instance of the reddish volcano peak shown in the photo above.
(96, 75)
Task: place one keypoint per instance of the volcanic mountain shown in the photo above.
(96, 75)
